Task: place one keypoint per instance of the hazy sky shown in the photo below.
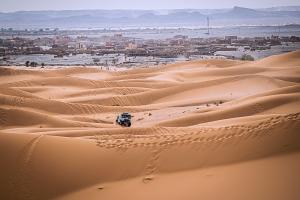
(14, 5)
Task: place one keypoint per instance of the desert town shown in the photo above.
(125, 51)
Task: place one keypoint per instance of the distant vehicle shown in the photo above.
(124, 119)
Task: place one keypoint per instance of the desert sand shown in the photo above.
(209, 129)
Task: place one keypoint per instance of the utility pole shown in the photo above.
(208, 31)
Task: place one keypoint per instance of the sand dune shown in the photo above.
(209, 129)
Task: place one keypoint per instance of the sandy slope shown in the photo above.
(211, 129)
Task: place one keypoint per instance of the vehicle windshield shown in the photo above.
(126, 116)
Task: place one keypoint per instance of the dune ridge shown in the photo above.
(205, 129)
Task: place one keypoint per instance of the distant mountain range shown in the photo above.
(150, 18)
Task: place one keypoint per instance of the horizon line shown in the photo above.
(140, 9)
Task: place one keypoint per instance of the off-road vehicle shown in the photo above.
(124, 119)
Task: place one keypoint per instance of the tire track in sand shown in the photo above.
(205, 138)
(21, 182)
(3, 117)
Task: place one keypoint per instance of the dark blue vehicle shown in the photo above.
(124, 119)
